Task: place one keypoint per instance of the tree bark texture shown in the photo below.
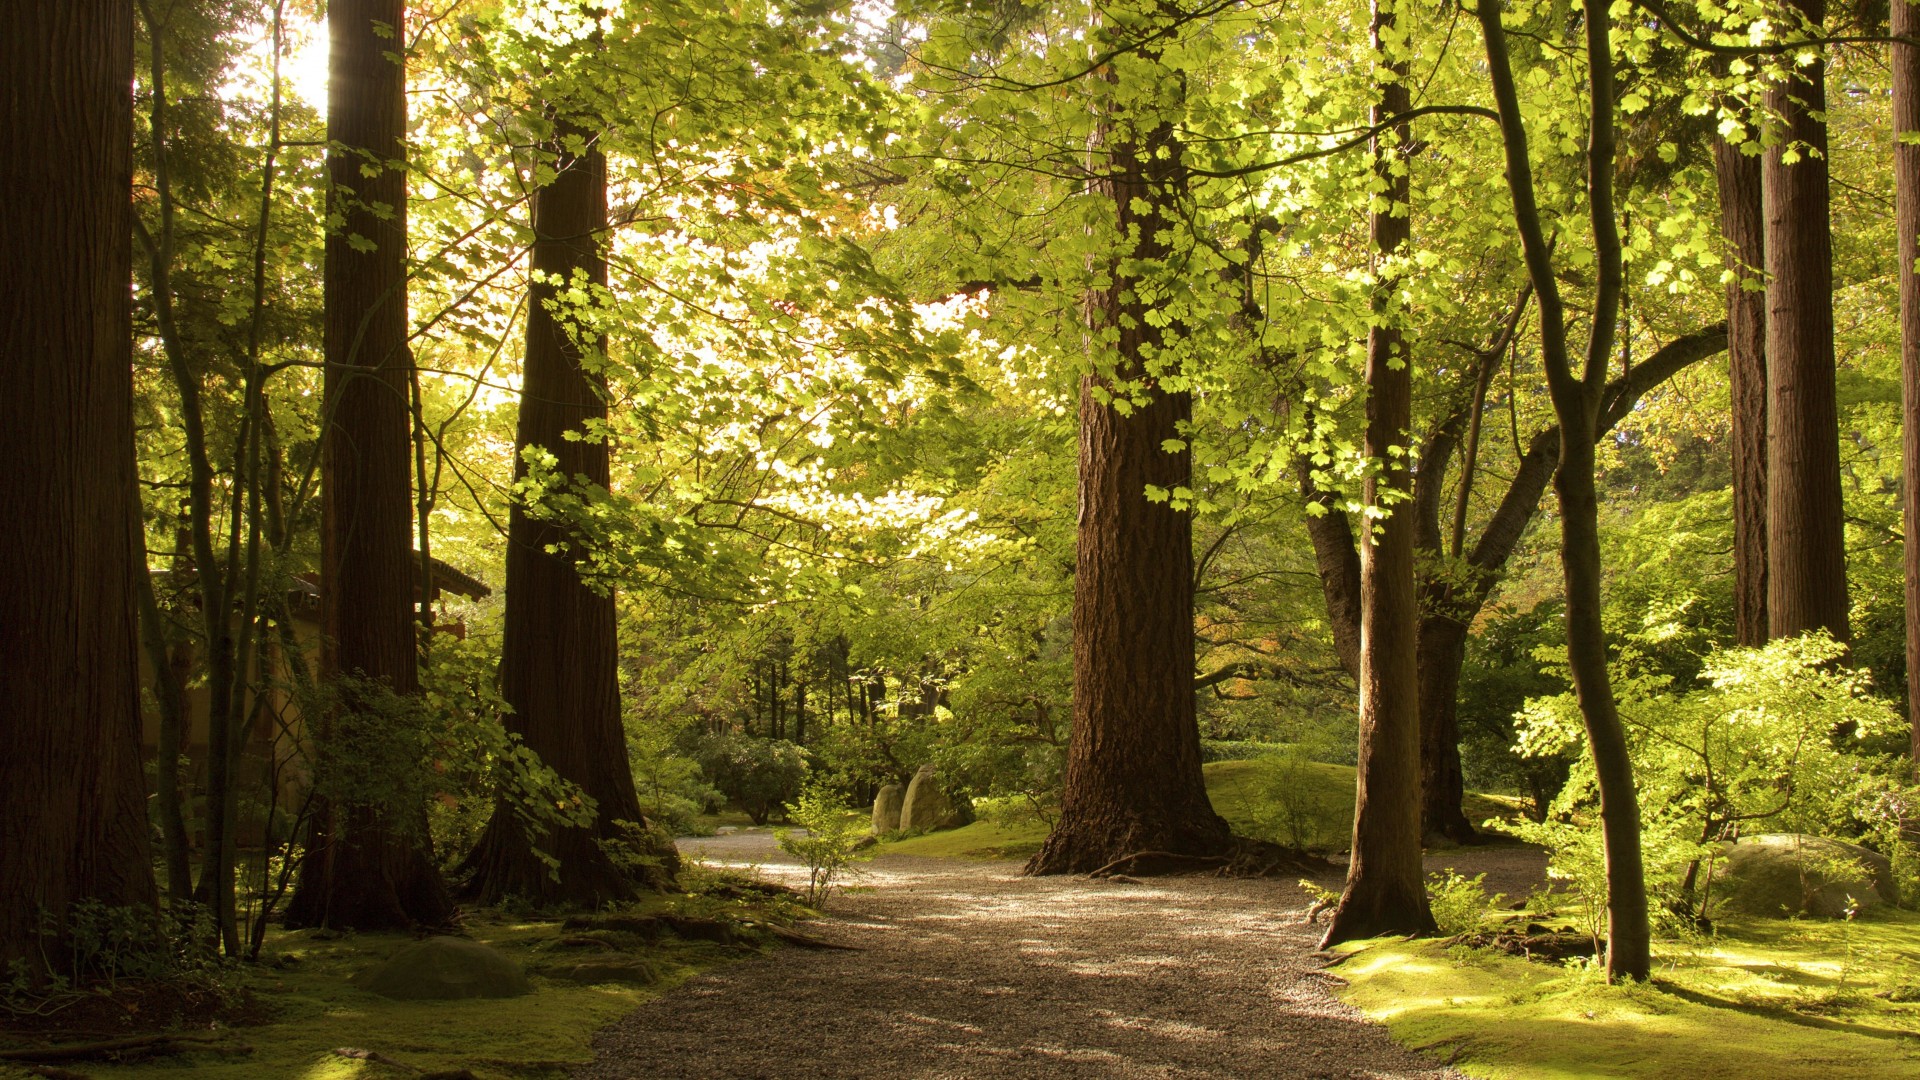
(1906, 166)
(1386, 891)
(1806, 533)
(559, 664)
(368, 867)
(1133, 779)
(72, 802)
(1743, 228)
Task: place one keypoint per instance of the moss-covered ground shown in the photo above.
(1758, 998)
(314, 1010)
(1240, 792)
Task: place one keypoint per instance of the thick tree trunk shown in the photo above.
(1806, 533)
(368, 867)
(1386, 889)
(1906, 175)
(1743, 228)
(1133, 778)
(72, 804)
(559, 661)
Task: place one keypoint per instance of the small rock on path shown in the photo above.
(969, 970)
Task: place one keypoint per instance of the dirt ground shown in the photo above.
(967, 969)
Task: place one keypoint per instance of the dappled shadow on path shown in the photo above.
(969, 970)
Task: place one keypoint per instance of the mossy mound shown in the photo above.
(1787, 874)
(445, 969)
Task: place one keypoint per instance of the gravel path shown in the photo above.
(970, 970)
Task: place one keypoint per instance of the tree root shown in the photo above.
(1246, 858)
(795, 937)
(139, 1045)
(375, 1057)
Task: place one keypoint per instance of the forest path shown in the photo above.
(968, 970)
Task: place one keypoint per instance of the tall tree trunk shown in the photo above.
(1133, 779)
(368, 867)
(1386, 889)
(72, 803)
(1579, 403)
(559, 665)
(1743, 228)
(1906, 175)
(1806, 532)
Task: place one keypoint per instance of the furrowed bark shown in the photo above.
(1133, 779)
(1906, 172)
(368, 865)
(73, 821)
(1806, 530)
(559, 667)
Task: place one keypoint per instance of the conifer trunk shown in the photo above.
(1133, 781)
(72, 803)
(1906, 172)
(559, 661)
(368, 866)
(1743, 228)
(1806, 533)
(1385, 891)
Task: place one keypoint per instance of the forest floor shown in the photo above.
(967, 969)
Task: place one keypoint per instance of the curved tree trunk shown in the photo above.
(368, 867)
(1806, 530)
(72, 803)
(1386, 889)
(1581, 404)
(1133, 778)
(559, 661)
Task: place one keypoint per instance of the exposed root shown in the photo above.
(115, 1049)
(1246, 858)
(805, 941)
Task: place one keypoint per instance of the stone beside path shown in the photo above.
(969, 970)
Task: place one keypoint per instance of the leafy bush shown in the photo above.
(1288, 808)
(1459, 904)
(1775, 739)
(673, 793)
(828, 843)
(759, 775)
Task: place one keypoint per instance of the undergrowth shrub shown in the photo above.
(1287, 807)
(828, 844)
(1460, 904)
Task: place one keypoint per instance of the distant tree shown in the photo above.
(368, 865)
(72, 803)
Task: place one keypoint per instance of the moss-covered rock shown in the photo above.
(886, 808)
(445, 969)
(1781, 875)
(929, 806)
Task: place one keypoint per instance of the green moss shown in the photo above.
(316, 1009)
(1774, 999)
